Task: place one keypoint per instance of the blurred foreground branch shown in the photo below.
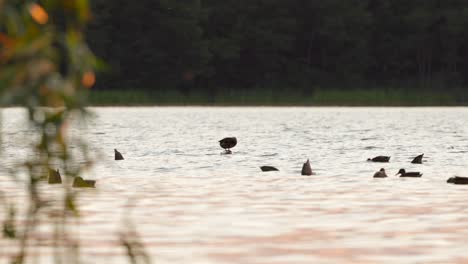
(46, 67)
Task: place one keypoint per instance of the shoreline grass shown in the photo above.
(257, 97)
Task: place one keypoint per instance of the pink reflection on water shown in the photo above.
(192, 206)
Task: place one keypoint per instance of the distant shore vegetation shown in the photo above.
(297, 52)
(283, 97)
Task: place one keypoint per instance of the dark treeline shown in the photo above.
(213, 46)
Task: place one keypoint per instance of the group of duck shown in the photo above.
(402, 172)
(230, 142)
(78, 182)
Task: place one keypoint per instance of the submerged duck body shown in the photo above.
(379, 159)
(403, 173)
(458, 180)
(380, 174)
(54, 177)
(118, 155)
(418, 159)
(79, 182)
(268, 168)
(306, 168)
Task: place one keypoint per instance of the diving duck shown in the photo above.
(403, 173)
(227, 143)
(458, 180)
(54, 177)
(380, 174)
(418, 159)
(118, 155)
(380, 159)
(306, 169)
(268, 168)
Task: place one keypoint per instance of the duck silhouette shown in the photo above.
(79, 182)
(118, 155)
(54, 177)
(268, 168)
(228, 143)
(458, 180)
(306, 169)
(403, 173)
(380, 174)
(418, 159)
(379, 159)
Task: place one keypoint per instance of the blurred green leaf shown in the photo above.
(43, 57)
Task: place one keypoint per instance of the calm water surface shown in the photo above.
(192, 205)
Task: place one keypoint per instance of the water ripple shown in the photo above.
(193, 205)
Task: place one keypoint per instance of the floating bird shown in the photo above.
(268, 168)
(418, 159)
(403, 173)
(54, 177)
(380, 174)
(79, 182)
(380, 159)
(458, 180)
(227, 143)
(306, 169)
(118, 155)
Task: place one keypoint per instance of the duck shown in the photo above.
(118, 155)
(306, 169)
(54, 177)
(268, 168)
(418, 159)
(79, 182)
(403, 173)
(380, 174)
(379, 159)
(228, 143)
(458, 180)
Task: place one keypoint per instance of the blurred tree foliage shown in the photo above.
(195, 45)
(45, 66)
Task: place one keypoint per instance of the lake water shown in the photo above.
(192, 205)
